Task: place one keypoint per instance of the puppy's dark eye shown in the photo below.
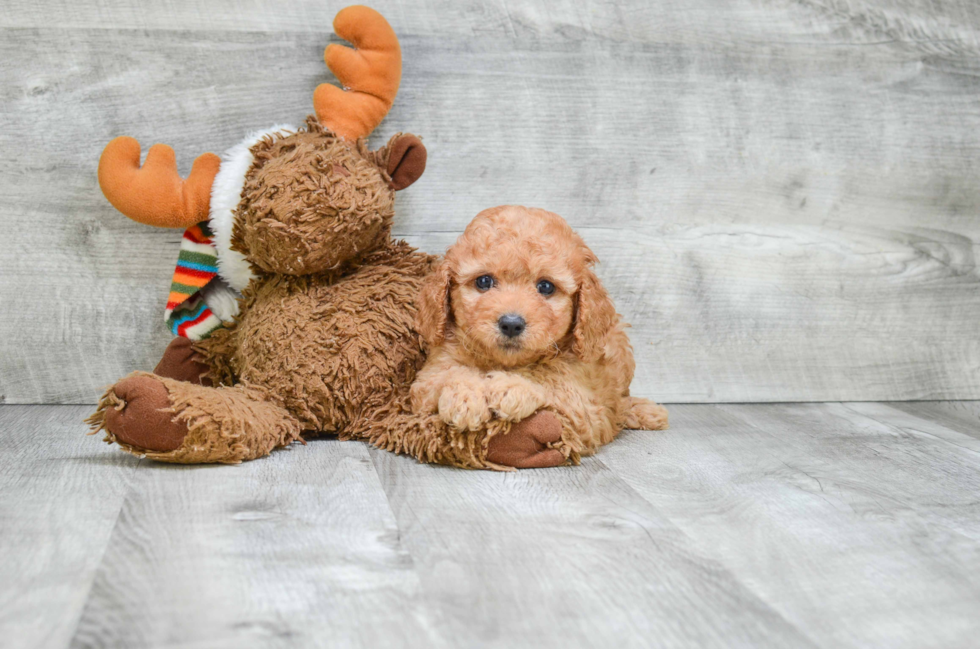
(545, 287)
(484, 282)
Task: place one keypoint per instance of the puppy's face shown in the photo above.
(512, 303)
(510, 287)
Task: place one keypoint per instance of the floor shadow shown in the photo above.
(107, 459)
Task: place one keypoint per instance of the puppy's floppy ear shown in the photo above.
(433, 305)
(595, 315)
(404, 159)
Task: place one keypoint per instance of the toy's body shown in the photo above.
(324, 341)
(338, 350)
(300, 359)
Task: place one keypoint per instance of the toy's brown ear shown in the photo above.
(433, 304)
(406, 160)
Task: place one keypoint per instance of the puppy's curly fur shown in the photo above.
(572, 358)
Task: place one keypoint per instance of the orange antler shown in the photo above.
(156, 194)
(370, 74)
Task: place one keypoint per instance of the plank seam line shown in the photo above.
(102, 556)
(919, 431)
(708, 556)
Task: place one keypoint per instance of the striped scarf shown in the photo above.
(187, 313)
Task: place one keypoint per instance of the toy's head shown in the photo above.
(312, 201)
(287, 200)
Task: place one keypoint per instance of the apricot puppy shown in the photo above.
(517, 323)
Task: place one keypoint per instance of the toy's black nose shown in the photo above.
(511, 325)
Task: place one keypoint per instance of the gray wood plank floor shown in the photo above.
(779, 525)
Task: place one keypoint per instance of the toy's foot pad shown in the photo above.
(182, 363)
(525, 445)
(143, 421)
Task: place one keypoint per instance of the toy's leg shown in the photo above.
(529, 444)
(176, 421)
(534, 442)
(181, 362)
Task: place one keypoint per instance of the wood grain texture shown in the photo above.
(947, 26)
(566, 557)
(60, 497)
(791, 525)
(297, 550)
(853, 525)
(783, 192)
(961, 416)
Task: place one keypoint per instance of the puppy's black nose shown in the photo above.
(511, 325)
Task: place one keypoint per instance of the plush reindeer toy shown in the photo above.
(298, 221)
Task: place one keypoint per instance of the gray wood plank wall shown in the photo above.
(784, 193)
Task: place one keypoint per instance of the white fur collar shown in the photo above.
(226, 193)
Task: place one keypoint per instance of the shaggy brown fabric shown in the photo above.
(332, 348)
(395, 427)
(300, 215)
(182, 362)
(224, 425)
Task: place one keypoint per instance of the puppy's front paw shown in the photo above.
(464, 406)
(512, 397)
